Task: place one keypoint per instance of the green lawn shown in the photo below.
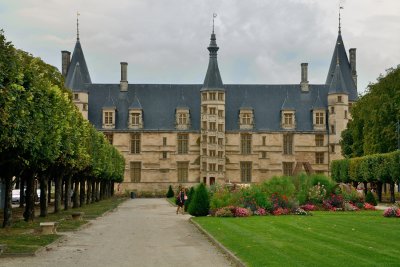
(363, 238)
(25, 237)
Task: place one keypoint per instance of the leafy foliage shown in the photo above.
(170, 192)
(200, 203)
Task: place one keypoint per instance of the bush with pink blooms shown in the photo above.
(242, 212)
(281, 211)
(368, 206)
(308, 207)
(260, 212)
(392, 212)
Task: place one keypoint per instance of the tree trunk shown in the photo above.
(29, 213)
(89, 191)
(379, 191)
(75, 198)
(355, 184)
(7, 220)
(385, 188)
(22, 192)
(93, 191)
(49, 192)
(43, 195)
(57, 193)
(365, 188)
(62, 182)
(392, 198)
(67, 192)
(112, 188)
(82, 193)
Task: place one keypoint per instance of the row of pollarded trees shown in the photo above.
(378, 169)
(44, 137)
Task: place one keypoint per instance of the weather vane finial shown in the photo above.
(214, 16)
(340, 27)
(77, 25)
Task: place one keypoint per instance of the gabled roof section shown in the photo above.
(340, 55)
(135, 103)
(338, 85)
(78, 59)
(213, 79)
(318, 103)
(288, 103)
(246, 104)
(109, 103)
(182, 102)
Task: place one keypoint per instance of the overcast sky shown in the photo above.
(164, 41)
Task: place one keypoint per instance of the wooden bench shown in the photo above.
(48, 228)
(77, 215)
(2, 248)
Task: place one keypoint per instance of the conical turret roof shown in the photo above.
(213, 79)
(78, 59)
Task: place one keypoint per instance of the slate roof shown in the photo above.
(76, 79)
(340, 54)
(318, 103)
(159, 102)
(135, 103)
(338, 84)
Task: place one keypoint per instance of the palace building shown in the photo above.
(213, 132)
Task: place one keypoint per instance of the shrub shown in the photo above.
(392, 212)
(368, 206)
(280, 211)
(328, 184)
(352, 196)
(190, 195)
(200, 204)
(334, 202)
(348, 206)
(279, 185)
(369, 198)
(260, 212)
(279, 201)
(308, 207)
(317, 194)
(224, 212)
(242, 212)
(170, 192)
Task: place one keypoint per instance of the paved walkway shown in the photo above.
(141, 232)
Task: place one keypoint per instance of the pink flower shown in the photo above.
(368, 206)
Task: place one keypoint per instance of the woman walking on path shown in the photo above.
(180, 200)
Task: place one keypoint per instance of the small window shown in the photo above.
(263, 154)
(345, 114)
(246, 118)
(183, 145)
(220, 154)
(220, 141)
(213, 140)
(220, 96)
(164, 141)
(212, 96)
(245, 144)
(264, 138)
(85, 107)
(212, 153)
(76, 96)
(212, 126)
(319, 140)
(332, 129)
(204, 96)
(183, 172)
(288, 119)
(109, 137)
(287, 168)
(204, 125)
(204, 166)
(319, 118)
(212, 167)
(204, 151)
(135, 169)
(339, 99)
(220, 113)
(213, 111)
(319, 157)
(108, 117)
(135, 118)
(220, 127)
(332, 148)
(288, 144)
(245, 172)
(135, 143)
(204, 109)
(332, 110)
(164, 154)
(220, 168)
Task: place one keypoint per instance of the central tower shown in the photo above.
(212, 120)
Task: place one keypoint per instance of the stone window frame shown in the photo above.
(76, 96)
(263, 154)
(264, 140)
(246, 119)
(287, 168)
(245, 143)
(108, 118)
(220, 96)
(183, 143)
(212, 96)
(220, 127)
(85, 107)
(319, 157)
(135, 143)
(319, 140)
(288, 139)
(212, 126)
(135, 169)
(213, 111)
(212, 139)
(212, 153)
(182, 119)
(245, 171)
(164, 155)
(182, 169)
(212, 167)
(220, 168)
(164, 141)
(288, 119)
(220, 113)
(135, 120)
(204, 96)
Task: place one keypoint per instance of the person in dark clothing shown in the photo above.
(180, 200)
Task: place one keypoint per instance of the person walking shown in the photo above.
(180, 200)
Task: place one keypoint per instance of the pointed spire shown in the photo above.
(77, 57)
(77, 25)
(213, 79)
(337, 84)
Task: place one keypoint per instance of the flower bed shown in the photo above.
(392, 212)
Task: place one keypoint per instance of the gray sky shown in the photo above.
(164, 41)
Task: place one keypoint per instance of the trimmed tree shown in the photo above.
(190, 195)
(170, 192)
(200, 204)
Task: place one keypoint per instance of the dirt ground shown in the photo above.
(141, 232)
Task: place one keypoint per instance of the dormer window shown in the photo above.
(135, 119)
(246, 119)
(288, 119)
(319, 119)
(182, 119)
(108, 118)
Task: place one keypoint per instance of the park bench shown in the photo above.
(2, 248)
(48, 228)
(77, 215)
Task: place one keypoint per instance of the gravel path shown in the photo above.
(141, 232)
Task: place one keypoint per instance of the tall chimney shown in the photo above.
(65, 60)
(353, 60)
(124, 76)
(304, 77)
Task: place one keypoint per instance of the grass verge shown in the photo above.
(25, 238)
(363, 238)
(172, 200)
